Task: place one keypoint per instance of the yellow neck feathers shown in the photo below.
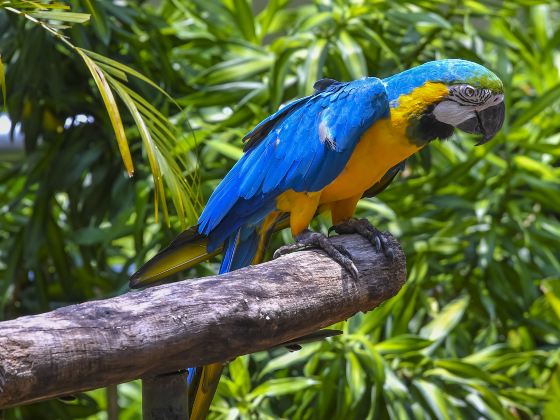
(413, 104)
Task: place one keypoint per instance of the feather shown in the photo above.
(303, 147)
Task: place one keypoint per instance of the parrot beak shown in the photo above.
(486, 122)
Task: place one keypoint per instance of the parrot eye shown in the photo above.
(469, 91)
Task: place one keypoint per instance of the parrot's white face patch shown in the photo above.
(463, 102)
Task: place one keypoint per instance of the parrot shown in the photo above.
(323, 153)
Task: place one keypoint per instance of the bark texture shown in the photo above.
(194, 322)
(165, 397)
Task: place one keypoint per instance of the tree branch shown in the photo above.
(190, 323)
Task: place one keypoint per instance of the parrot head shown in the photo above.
(449, 94)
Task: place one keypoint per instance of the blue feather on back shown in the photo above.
(303, 147)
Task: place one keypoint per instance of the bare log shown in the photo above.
(190, 323)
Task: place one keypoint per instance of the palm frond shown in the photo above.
(158, 135)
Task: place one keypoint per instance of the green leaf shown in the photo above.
(226, 149)
(377, 207)
(544, 171)
(91, 235)
(394, 386)
(239, 373)
(236, 69)
(552, 299)
(313, 68)
(540, 104)
(488, 354)
(112, 109)
(290, 359)
(99, 20)
(444, 322)
(126, 69)
(243, 15)
(279, 73)
(415, 18)
(435, 398)
(282, 386)
(355, 376)
(352, 56)
(463, 369)
(149, 146)
(552, 408)
(377, 39)
(402, 344)
(316, 20)
(61, 16)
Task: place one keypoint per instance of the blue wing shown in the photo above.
(302, 147)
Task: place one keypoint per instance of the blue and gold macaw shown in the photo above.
(323, 153)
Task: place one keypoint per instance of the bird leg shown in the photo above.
(364, 228)
(309, 239)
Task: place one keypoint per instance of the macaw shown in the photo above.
(324, 152)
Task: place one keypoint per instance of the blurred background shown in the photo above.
(473, 334)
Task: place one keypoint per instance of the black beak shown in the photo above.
(486, 122)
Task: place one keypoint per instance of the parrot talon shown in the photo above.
(288, 249)
(342, 250)
(364, 228)
(378, 244)
(308, 239)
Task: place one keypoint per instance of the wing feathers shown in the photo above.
(302, 147)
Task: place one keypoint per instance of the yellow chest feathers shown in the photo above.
(383, 145)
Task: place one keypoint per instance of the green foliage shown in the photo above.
(3, 82)
(473, 334)
(157, 133)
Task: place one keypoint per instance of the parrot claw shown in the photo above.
(308, 239)
(364, 228)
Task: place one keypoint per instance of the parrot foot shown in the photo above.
(364, 228)
(308, 239)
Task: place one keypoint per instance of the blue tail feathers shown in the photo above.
(240, 249)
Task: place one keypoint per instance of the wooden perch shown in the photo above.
(190, 323)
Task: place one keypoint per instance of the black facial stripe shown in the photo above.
(482, 95)
(426, 128)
